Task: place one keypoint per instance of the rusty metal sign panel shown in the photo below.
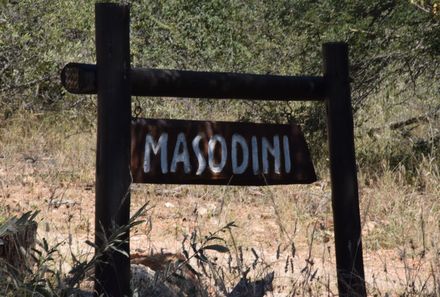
(218, 153)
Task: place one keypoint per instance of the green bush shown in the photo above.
(394, 54)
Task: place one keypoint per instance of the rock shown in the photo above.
(246, 288)
(146, 282)
(169, 205)
(56, 203)
(164, 274)
(17, 238)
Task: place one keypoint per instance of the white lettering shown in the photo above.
(200, 159)
(181, 154)
(217, 156)
(238, 139)
(151, 145)
(255, 163)
(274, 151)
(216, 168)
(287, 162)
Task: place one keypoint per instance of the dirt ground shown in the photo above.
(286, 229)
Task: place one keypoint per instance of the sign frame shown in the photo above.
(191, 152)
(114, 81)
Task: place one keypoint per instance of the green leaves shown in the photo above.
(36, 41)
(394, 53)
(13, 224)
(199, 246)
(216, 247)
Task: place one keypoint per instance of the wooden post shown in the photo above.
(345, 201)
(113, 145)
(80, 78)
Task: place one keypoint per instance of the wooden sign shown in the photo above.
(218, 153)
(223, 153)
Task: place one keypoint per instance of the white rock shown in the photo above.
(169, 205)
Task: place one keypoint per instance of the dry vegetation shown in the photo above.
(47, 164)
(47, 141)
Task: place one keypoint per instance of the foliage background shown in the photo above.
(46, 135)
(394, 53)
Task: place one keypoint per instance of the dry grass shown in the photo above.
(287, 229)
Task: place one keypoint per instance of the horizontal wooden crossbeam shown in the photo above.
(82, 79)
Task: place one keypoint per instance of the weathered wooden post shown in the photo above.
(345, 200)
(113, 145)
(114, 82)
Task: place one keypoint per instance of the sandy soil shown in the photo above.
(266, 218)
